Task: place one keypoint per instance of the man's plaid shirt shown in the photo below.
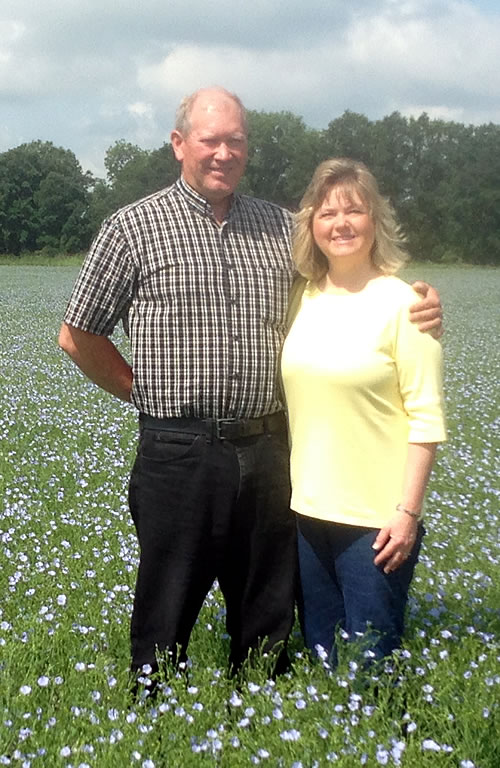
(204, 304)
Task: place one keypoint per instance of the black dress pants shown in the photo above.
(204, 509)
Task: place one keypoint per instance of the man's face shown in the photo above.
(214, 153)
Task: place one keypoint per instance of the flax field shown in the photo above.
(68, 558)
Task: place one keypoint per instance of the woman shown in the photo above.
(364, 394)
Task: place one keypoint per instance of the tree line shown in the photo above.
(443, 179)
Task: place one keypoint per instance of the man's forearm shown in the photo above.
(98, 358)
(427, 313)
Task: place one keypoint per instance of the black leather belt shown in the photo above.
(220, 429)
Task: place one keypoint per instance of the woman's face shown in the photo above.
(343, 227)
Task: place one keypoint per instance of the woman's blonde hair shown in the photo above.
(352, 177)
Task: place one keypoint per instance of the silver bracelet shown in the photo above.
(416, 515)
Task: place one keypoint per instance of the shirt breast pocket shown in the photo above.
(271, 295)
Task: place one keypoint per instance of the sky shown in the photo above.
(86, 73)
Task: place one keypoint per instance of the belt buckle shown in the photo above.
(219, 427)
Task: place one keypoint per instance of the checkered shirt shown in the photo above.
(204, 304)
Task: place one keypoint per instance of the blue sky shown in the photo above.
(83, 74)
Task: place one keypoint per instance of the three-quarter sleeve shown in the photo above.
(419, 363)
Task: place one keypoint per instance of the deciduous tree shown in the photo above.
(43, 199)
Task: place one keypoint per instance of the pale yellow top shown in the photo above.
(361, 381)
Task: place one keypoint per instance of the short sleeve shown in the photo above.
(103, 291)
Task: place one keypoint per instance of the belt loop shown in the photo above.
(209, 434)
(217, 429)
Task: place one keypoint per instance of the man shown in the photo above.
(201, 276)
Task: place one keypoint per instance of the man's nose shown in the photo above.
(223, 152)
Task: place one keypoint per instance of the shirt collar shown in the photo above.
(197, 201)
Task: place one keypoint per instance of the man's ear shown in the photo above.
(177, 141)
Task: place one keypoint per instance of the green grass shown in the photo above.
(69, 554)
(42, 259)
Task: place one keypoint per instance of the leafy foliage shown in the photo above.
(442, 178)
(44, 199)
(282, 156)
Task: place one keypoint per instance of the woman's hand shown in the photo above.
(395, 541)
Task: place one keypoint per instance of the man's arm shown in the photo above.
(98, 358)
(427, 313)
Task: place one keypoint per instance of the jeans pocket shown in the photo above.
(165, 447)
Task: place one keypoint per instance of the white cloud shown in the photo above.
(84, 74)
(457, 114)
(435, 112)
(187, 68)
(457, 47)
(141, 110)
(11, 31)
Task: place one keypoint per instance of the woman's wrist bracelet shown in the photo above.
(410, 512)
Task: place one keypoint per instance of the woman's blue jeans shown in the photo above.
(341, 588)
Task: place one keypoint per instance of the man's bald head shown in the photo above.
(185, 108)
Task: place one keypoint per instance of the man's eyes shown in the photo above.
(232, 142)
